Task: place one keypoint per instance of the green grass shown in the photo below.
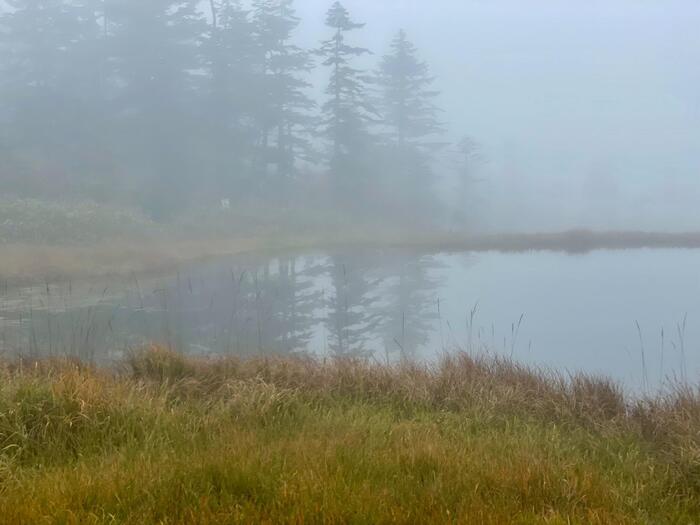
(164, 439)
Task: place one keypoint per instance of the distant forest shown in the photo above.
(164, 105)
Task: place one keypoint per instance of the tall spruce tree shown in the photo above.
(283, 105)
(410, 123)
(347, 111)
(408, 102)
(230, 54)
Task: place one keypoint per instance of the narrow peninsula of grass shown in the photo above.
(165, 439)
(31, 262)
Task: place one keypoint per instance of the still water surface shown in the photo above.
(633, 315)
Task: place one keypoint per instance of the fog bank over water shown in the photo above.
(588, 113)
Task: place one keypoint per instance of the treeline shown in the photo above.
(166, 104)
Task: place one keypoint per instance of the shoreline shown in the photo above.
(27, 262)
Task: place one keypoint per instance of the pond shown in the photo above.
(633, 315)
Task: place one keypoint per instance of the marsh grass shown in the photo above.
(166, 439)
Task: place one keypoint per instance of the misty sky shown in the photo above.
(593, 107)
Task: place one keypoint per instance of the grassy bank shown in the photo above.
(47, 240)
(41, 261)
(164, 439)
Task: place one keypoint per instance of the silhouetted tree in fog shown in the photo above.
(410, 121)
(230, 135)
(408, 104)
(347, 111)
(282, 106)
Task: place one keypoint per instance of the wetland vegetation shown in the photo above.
(166, 439)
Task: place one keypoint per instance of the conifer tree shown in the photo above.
(408, 102)
(230, 52)
(411, 126)
(283, 105)
(347, 112)
(230, 55)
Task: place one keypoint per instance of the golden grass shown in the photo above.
(165, 439)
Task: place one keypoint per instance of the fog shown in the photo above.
(578, 115)
(588, 112)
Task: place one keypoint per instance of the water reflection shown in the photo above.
(350, 304)
(629, 314)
